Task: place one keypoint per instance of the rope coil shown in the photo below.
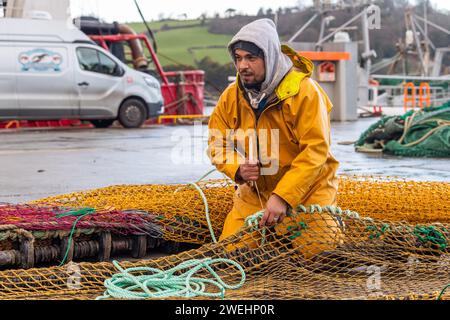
(156, 283)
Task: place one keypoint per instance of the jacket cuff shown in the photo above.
(290, 198)
(230, 170)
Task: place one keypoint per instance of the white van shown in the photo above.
(51, 70)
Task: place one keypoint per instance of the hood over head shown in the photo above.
(264, 35)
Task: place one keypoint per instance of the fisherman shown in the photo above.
(284, 158)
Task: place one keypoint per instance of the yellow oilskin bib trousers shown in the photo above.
(300, 111)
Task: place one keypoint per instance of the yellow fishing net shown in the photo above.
(303, 258)
(182, 210)
(392, 242)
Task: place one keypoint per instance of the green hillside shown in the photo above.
(175, 43)
(156, 25)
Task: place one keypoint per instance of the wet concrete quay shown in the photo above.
(40, 163)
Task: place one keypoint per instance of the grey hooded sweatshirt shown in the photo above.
(263, 33)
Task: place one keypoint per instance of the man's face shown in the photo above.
(251, 68)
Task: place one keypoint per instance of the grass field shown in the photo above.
(175, 43)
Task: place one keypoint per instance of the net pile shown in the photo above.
(395, 199)
(421, 133)
(391, 243)
(181, 210)
(316, 253)
(47, 218)
(31, 235)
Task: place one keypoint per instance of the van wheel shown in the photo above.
(132, 113)
(102, 123)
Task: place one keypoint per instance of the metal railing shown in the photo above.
(394, 96)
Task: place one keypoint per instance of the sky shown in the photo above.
(152, 10)
(125, 10)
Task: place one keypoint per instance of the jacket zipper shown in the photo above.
(256, 123)
(256, 129)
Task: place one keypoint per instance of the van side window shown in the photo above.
(95, 61)
(108, 66)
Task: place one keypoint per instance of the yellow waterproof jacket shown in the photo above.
(300, 110)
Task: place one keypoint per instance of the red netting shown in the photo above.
(46, 218)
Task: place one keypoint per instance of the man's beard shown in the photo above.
(253, 86)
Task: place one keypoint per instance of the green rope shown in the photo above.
(377, 232)
(297, 228)
(442, 292)
(80, 213)
(252, 221)
(158, 283)
(206, 174)
(430, 234)
(205, 202)
(163, 284)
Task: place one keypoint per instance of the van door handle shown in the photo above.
(83, 84)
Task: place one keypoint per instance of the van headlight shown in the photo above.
(151, 82)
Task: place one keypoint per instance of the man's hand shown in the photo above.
(248, 171)
(275, 211)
